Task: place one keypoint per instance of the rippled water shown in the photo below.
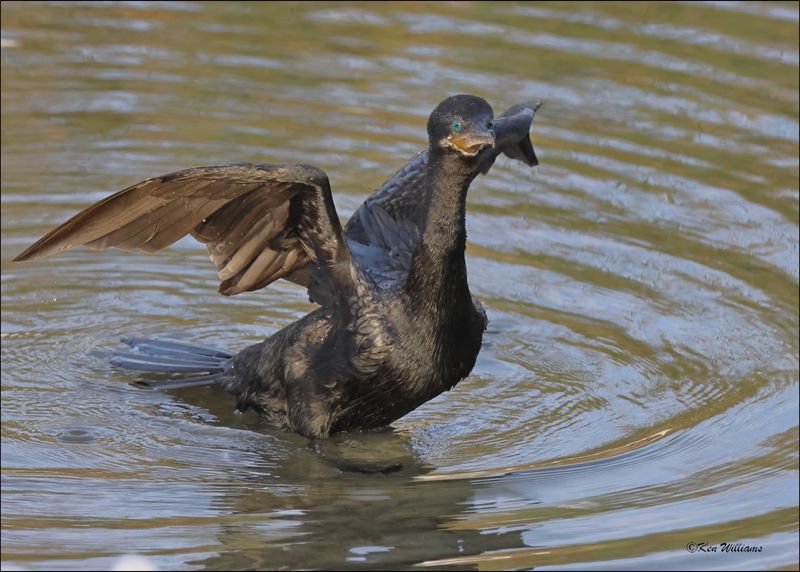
(638, 386)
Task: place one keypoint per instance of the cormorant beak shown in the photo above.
(471, 144)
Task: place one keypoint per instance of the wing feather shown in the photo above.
(259, 222)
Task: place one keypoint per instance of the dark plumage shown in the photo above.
(396, 325)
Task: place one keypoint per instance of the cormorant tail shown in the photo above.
(169, 356)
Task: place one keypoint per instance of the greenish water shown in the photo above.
(638, 386)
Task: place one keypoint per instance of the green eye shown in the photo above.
(457, 126)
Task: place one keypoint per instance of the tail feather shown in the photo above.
(180, 383)
(164, 364)
(180, 358)
(171, 354)
(171, 357)
(159, 345)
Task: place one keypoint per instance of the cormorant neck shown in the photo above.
(438, 261)
(448, 179)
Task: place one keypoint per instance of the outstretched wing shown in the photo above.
(259, 222)
(388, 222)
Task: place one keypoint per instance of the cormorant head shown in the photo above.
(463, 124)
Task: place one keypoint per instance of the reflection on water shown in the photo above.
(638, 385)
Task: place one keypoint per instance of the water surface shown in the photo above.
(638, 386)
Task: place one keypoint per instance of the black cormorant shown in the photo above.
(396, 323)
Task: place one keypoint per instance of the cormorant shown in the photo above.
(396, 323)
